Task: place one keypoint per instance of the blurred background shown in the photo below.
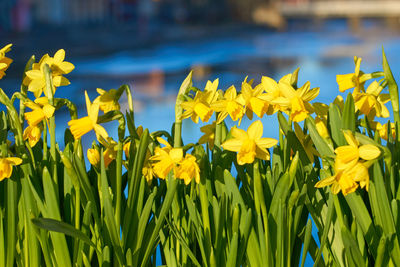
(153, 44)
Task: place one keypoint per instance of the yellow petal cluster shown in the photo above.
(169, 159)
(41, 109)
(35, 78)
(209, 134)
(372, 100)
(250, 144)
(200, 105)
(352, 80)
(6, 165)
(351, 169)
(108, 100)
(93, 156)
(4, 61)
(231, 104)
(296, 100)
(84, 125)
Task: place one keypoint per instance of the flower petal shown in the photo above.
(369, 152)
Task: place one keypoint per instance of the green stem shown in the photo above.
(259, 197)
(178, 134)
(218, 133)
(52, 124)
(119, 184)
(44, 141)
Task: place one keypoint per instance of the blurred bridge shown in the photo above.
(341, 8)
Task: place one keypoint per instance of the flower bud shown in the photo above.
(93, 156)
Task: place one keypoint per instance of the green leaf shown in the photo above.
(349, 117)
(62, 227)
(335, 124)
(232, 256)
(307, 238)
(322, 146)
(393, 88)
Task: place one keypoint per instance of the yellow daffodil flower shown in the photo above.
(209, 135)
(166, 159)
(200, 106)
(4, 61)
(383, 130)
(297, 101)
(231, 104)
(33, 134)
(35, 78)
(341, 181)
(84, 125)
(352, 80)
(41, 109)
(126, 148)
(348, 156)
(6, 166)
(273, 92)
(250, 144)
(93, 156)
(108, 100)
(372, 99)
(148, 171)
(255, 100)
(350, 167)
(188, 170)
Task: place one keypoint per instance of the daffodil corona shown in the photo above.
(84, 125)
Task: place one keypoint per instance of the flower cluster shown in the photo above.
(167, 159)
(351, 166)
(267, 97)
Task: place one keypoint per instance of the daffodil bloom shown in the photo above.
(372, 99)
(350, 167)
(200, 106)
(341, 181)
(41, 109)
(188, 170)
(352, 80)
(231, 104)
(147, 170)
(383, 129)
(35, 78)
(108, 100)
(348, 156)
(306, 142)
(126, 148)
(250, 144)
(58, 65)
(84, 125)
(6, 166)
(273, 92)
(33, 134)
(297, 101)
(93, 156)
(360, 174)
(255, 100)
(109, 155)
(4, 61)
(166, 159)
(209, 135)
